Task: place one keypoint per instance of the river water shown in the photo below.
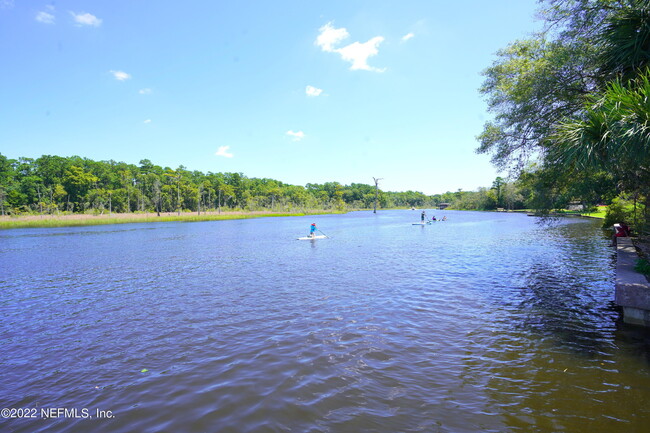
(486, 322)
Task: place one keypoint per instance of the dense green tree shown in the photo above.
(77, 183)
(74, 184)
(574, 97)
(536, 83)
(497, 187)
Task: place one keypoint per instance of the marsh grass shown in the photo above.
(44, 221)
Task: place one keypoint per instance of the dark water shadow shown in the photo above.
(567, 295)
(554, 303)
(634, 340)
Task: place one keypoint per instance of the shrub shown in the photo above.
(621, 210)
(642, 266)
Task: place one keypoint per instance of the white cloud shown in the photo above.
(329, 36)
(86, 19)
(407, 36)
(313, 91)
(6, 4)
(356, 53)
(45, 18)
(223, 151)
(147, 121)
(297, 136)
(146, 91)
(120, 75)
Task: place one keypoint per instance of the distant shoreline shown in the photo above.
(75, 220)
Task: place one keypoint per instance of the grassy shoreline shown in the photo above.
(75, 220)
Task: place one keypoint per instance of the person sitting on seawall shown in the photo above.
(621, 230)
(312, 230)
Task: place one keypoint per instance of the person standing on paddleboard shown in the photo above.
(312, 230)
(424, 215)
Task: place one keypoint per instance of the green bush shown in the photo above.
(619, 211)
(642, 266)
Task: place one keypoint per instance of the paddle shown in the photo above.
(323, 233)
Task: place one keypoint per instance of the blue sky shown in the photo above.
(298, 91)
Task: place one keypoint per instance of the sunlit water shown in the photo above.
(486, 322)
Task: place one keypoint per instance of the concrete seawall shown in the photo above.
(632, 288)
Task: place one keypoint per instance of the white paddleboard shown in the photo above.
(308, 238)
(421, 224)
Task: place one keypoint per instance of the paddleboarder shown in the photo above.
(312, 230)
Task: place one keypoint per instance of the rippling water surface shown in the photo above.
(486, 322)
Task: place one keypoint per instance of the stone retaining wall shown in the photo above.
(632, 288)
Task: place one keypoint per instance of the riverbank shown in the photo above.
(600, 213)
(72, 220)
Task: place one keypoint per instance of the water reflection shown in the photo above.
(565, 294)
(556, 302)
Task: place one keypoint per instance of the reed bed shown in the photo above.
(44, 221)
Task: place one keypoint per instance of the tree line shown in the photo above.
(570, 106)
(54, 184)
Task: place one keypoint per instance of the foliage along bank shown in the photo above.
(570, 107)
(54, 184)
